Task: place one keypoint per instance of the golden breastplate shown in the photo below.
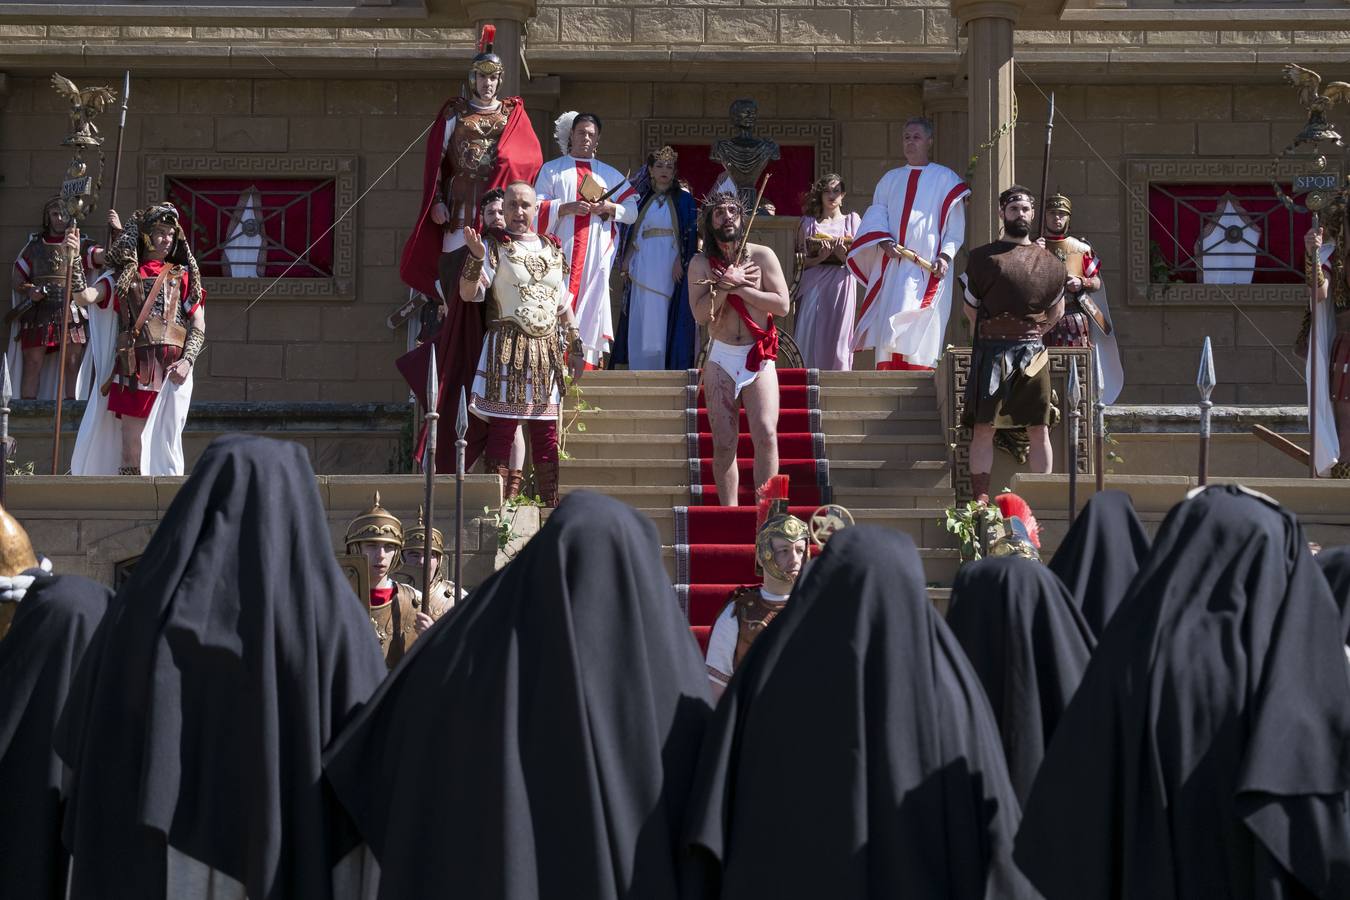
(473, 144)
(1070, 251)
(49, 263)
(529, 286)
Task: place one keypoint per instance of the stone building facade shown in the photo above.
(1148, 92)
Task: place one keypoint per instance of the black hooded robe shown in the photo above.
(854, 754)
(38, 658)
(538, 743)
(224, 666)
(1207, 751)
(1335, 565)
(1029, 646)
(1100, 555)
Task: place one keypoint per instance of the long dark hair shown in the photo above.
(705, 229)
(814, 204)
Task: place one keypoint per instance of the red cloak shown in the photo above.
(460, 338)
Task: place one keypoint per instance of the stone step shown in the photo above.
(939, 566)
(629, 471)
(923, 483)
(894, 448)
(861, 378)
(871, 397)
(915, 418)
(920, 523)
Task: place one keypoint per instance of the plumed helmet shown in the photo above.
(774, 521)
(415, 538)
(376, 525)
(1059, 203)
(486, 62)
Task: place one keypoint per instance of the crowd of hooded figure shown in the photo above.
(1164, 719)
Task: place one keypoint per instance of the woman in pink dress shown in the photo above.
(827, 293)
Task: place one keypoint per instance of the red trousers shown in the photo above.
(543, 439)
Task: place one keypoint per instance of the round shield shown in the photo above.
(826, 520)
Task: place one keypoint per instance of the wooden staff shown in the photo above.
(1045, 164)
(461, 444)
(429, 469)
(72, 261)
(745, 238)
(1075, 392)
(1313, 274)
(117, 157)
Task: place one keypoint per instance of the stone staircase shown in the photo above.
(882, 436)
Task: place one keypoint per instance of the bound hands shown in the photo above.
(733, 277)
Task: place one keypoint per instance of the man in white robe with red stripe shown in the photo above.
(903, 255)
(582, 201)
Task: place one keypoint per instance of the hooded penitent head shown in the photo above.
(228, 660)
(1029, 646)
(1206, 752)
(1100, 556)
(545, 733)
(854, 754)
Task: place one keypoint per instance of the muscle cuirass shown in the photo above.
(528, 286)
(753, 615)
(49, 263)
(1071, 251)
(470, 160)
(165, 323)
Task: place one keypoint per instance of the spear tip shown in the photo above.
(433, 383)
(1074, 389)
(1206, 379)
(6, 388)
(462, 420)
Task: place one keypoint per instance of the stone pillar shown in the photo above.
(946, 103)
(510, 17)
(988, 25)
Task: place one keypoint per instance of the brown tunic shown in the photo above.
(753, 614)
(1018, 286)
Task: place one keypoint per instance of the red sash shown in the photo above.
(766, 339)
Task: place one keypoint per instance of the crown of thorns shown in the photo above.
(723, 198)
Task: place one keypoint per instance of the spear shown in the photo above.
(429, 469)
(73, 260)
(1098, 420)
(1075, 393)
(1045, 165)
(461, 444)
(6, 392)
(1205, 381)
(117, 157)
(1312, 355)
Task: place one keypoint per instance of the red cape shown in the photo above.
(460, 338)
(518, 159)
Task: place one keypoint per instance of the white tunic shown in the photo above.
(651, 274)
(904, 309)
(589, 243)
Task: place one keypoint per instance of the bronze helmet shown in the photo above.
(486, 62)
(376, 525)
(776, 522)
(16, 557)
(415, 538)
(1059, 203)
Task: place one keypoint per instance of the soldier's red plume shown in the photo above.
(487, 38)
(776, 488)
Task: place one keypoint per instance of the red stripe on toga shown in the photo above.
(911, 188)
(933, 281)
(625, 195)
(581, 236)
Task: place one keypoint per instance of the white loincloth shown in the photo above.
(730, 358)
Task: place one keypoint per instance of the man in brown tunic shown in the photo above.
(1014, 295)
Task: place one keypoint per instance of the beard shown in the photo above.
(727, 234)
(1016, 228)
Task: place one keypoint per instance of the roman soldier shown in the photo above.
(148, 325)
(377, 534)
(1014, 295)
(1086, 321)
(780, 549)
(478, 142)
(442, 596)
(39, 285)
(523, 361)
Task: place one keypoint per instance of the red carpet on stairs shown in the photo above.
(715, 545)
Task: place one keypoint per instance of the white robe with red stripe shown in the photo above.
(589, 243)
(904, 310)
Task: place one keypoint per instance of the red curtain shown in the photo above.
(792, 174)
(1179, 213)
(295, 212)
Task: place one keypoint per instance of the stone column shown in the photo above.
(510, 17)
(946, 103)
(988, 25)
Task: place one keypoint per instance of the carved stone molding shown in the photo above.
(157, 167)
(823, 135)
(1140, 173)
(1060, 360)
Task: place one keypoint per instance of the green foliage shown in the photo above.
(14, 467)
(1159, 272)
(969, 524)
(572, 392)
(505, 519)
